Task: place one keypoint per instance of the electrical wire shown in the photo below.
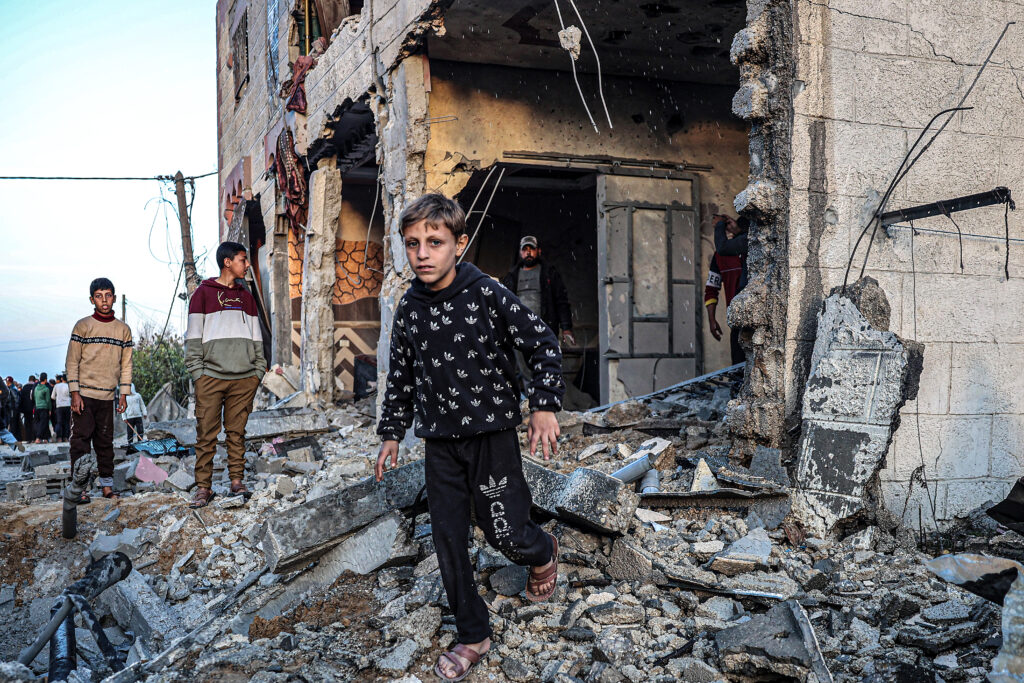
(917, 413)
(575, 77)
(600, 88)
(898, 178)
(33, 348)
(49, 177)
(483, 215)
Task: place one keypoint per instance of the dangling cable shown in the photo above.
(1006, 225)
(575, 77)
(597, 60)
(959, 233)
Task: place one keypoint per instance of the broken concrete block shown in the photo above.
(262, 424)
(598, 501)
(420, 625)
(383, 542)
(651, 517)
(298, 535)
(137, 608)
(780, 642)
(627, 562)
(181, 479)
(703, 479)
(625, 414)
(26, 489)
(745, 555)
(269, 465)
(854, 391)
(545, 486)
(55, 471)
(510, 580)
(103, 545)
(400, 658)
(303, 449)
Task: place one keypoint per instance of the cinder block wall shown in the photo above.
(870, 75)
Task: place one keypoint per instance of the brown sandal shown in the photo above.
(108, 492)
(539, 578)
(461, 670)
(201, 498)
(240, 489)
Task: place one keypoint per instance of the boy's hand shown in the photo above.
(122, 404)
(77, 404)
(543, 428)
(387, 449)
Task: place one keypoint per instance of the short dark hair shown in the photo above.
(31, 378)
(435, 209)
(228, 250)
(100, 283)
(42, 376)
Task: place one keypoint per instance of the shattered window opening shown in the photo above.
(240, 54)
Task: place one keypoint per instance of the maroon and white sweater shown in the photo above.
(223, 339)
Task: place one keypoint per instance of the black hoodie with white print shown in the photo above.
(453, 361)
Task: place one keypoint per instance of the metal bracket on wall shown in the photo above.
(1000, 195)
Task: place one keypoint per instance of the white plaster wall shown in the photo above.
(873, 73)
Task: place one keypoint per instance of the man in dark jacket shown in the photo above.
(28, 406)
(540, 287)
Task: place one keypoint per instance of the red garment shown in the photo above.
(725, 271)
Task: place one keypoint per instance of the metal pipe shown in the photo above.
(635, 469)
(29, 653)
(99, 576)
(651, 482)
(63, 646)
(69, 520)
(81, 474)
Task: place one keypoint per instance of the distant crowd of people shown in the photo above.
(39, 410)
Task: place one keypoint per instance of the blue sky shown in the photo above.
(99, 89)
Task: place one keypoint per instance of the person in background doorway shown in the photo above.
(729, 272)
(43, 405)
(99, 363)
(539, 286)
(62, 407)
(133, 414)
(27, 406)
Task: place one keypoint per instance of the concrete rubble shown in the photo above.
(327, 573)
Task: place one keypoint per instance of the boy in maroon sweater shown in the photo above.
(224, 355)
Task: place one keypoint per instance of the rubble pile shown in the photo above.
(698, 573)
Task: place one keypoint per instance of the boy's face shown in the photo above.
(432, 252)
(103, 300)
(237, 265)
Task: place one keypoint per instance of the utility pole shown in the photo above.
(186, 234)
(124, 303)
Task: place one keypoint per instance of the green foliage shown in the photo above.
(156, 361)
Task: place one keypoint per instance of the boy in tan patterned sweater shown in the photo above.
(99, 362)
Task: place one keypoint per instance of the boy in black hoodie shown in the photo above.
(452, 362)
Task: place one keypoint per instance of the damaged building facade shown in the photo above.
(334, 115)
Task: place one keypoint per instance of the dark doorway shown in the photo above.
(559, 208)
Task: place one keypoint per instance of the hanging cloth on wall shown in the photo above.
(291, 180)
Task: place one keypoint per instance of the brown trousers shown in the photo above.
(233, 399)
(93, 429)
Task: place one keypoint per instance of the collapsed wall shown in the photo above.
(764, 51)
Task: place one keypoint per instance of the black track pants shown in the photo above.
(488, 470)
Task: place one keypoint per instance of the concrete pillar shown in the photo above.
(318, 278)
(280, 301)
(403, 133)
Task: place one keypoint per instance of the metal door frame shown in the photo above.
(604, 281)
